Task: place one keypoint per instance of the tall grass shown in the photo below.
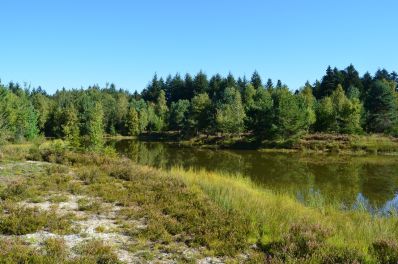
(273, 214)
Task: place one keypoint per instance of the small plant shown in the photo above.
(301, 242)
(85, 204)
(89, 175)
(332, 255)
(15, 190)
(95, 251)
(22, 220)
(386, 250)
(53, 151)
(58, 198)
(100, 229)
(55, 248)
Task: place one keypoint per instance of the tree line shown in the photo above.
(342, 101)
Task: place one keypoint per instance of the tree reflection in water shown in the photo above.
(367, 182)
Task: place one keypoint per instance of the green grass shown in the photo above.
(273, 215)
(221, 214)
(348, 144)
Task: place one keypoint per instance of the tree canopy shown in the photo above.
(341, 102)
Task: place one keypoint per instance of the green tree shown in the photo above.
(338, 114)
(155, 122)
(42, 105)
(95, 136)
(200, 83)
(347, 114)
(70, 127)
(19, 117)
(260, 115)
(289, 115)
(381, 108)
(248, 96)
(230, 114)
(325, 117)
(256, 80)
(142, 109)
(122, 107)
(133, 123)
(309, 101)
(199, 116)
(179, 114)
(161, 110)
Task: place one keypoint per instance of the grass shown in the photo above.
(215, 214)
(273, 215)
(348, 144)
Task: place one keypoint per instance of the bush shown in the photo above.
(301, 242)
(15, 190)
(333, 255)
(122, 171)
(89, 174)
(15, 251)
(95, 251)
(385, 250)
(56, 248)
(21, 221)
(53, 151)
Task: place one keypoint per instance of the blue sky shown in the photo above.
(74, 43)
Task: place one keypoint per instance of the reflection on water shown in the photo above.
(357, 182)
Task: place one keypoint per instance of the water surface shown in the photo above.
(352, 181)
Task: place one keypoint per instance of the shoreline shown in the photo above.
(354, 145)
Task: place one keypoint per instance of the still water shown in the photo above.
(369, 182)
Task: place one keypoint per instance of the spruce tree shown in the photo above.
(381, 108)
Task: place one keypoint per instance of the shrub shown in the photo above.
(55, 248)
(15, 251)
(89, 205)
(89, 174)
(95, 251)
(332, 255)
(301, 242)
(53, 151)
(17, 189)
(386, 250)
(124, 172)
(21, 221)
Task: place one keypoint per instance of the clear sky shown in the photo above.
(74, 43)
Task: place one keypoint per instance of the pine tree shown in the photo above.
(269, 86)
(200, 83)
(256, 80)
(179, 114)
(381, 107)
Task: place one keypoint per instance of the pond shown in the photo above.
(368, 182)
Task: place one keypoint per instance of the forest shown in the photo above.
(341, 102)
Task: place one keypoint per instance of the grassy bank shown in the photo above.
(292, 231)
(162, 215)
